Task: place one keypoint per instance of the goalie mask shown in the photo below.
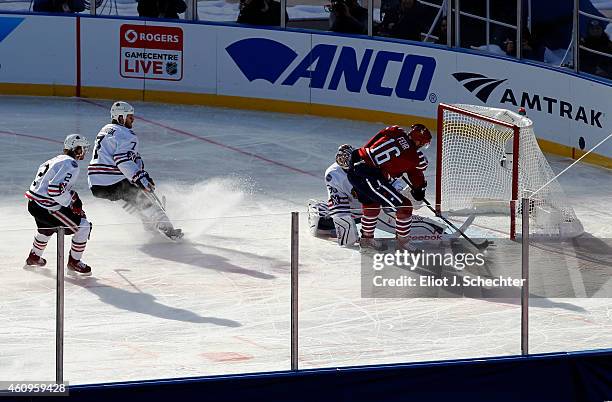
(343, 156)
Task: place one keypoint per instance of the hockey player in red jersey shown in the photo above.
(390, 154)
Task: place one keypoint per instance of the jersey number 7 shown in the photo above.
(98, 141)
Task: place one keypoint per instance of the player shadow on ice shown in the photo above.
(484, 294)
(549, 275)
(586, 249)
(572, 268)
(138, 301)
(186, 252)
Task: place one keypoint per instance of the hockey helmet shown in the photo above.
(121, 108)
(74, 141)
(343, 156)
(419, 133)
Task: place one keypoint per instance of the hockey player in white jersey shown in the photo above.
(116, 171)
(342, 207)
(53, 203)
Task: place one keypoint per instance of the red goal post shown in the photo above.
(487, 159)
(442, 107)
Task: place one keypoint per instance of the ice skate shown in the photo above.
(403, 244)
(78, 268)
(171, 233)
(371, 244)
(34, 260)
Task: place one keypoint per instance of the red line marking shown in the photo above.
(225, 356)
(32, 136)
(208, 140)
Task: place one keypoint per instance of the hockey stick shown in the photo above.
(481, 246)
(155, 199)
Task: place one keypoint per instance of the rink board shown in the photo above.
(584, 376)
(296, 71)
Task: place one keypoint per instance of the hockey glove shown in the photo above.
(142, 180)
(418, 193)
(76, 205)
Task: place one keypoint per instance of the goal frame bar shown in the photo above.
(515, 160)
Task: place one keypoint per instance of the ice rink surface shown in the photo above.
(218, 302)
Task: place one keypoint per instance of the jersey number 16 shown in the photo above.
(384, 152)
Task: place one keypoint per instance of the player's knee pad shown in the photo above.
(346, 230)
(82, 234)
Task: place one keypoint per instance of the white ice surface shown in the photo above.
(219, 301)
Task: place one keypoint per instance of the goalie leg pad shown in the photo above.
(346, 230)
(319, 220)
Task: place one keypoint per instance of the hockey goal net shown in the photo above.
(488, 159)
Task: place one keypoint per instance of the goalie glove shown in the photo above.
(76, 205)
(144, 181)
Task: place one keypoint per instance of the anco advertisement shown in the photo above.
(364, 73)
(152, 52)
(336, 70)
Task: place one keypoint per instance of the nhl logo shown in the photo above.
(171, 68)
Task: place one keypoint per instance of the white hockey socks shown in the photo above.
(40, 243)
(77, 249)
(79, 240)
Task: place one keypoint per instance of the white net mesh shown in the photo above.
(476, 165)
